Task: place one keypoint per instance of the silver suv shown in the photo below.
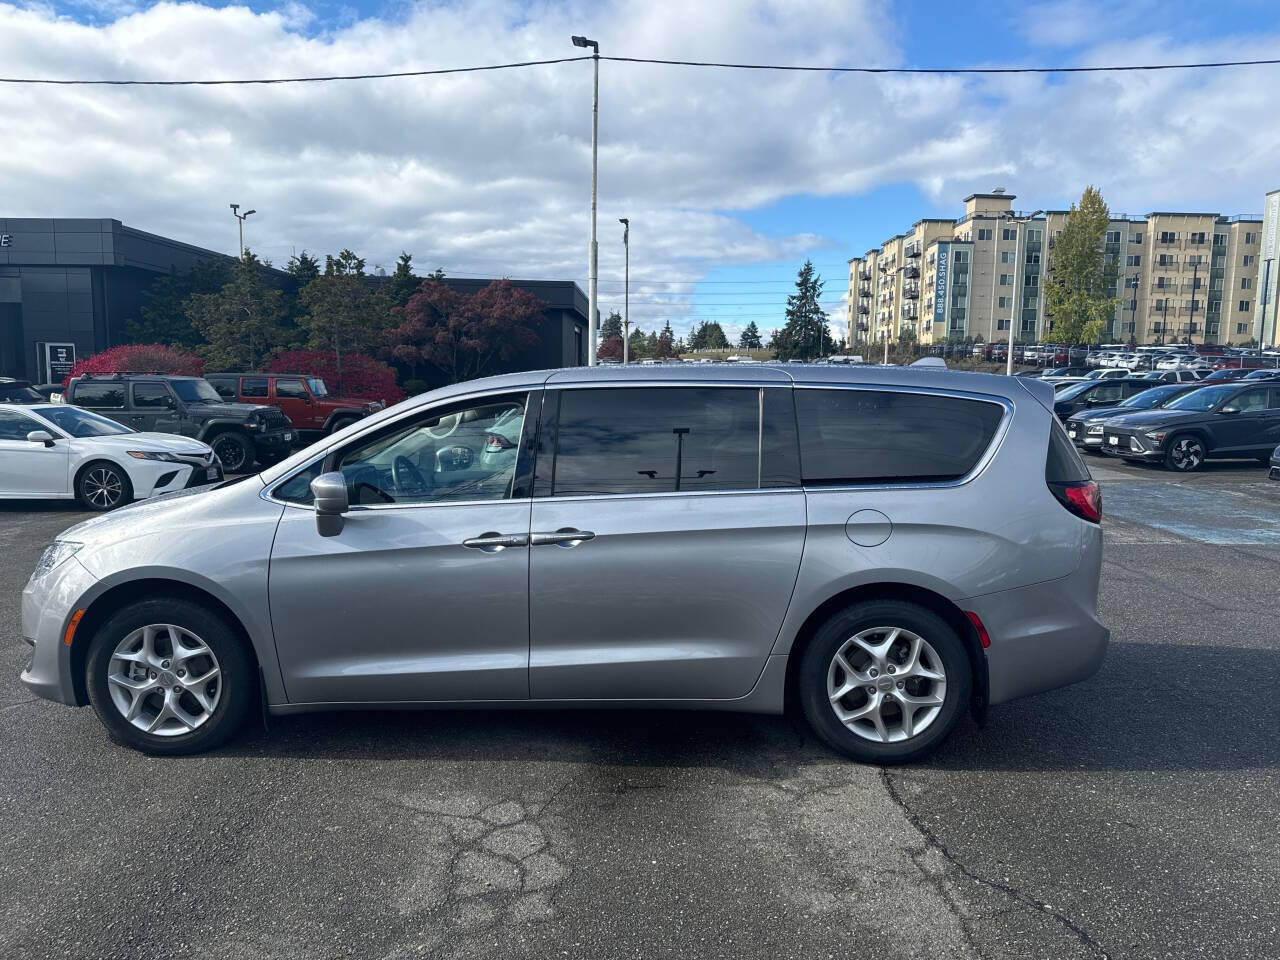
(882, 547)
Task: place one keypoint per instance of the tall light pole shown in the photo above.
(1017, 246)
(626, 289)
(1195, 286)
(235, 210)
(1266, 298)
(595, 138)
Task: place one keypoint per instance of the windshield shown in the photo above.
(1075, 390)
(1205, 398)
(196, 391)
(1148, 398)
(317, 386)
(80, 423)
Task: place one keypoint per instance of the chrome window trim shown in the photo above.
(267, 492)
(997, 439)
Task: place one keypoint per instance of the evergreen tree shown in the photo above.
(403, 283)
(1081, 294)
(638, 344)
(342, 310)
(242, 322)
(163, 315)
(665, 343)
(611, 326)
(304, 266)
(750, 339)
(804, 335)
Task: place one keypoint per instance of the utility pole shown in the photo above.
(1133, 311)
(1266, 298)
(1164, 319)
(595, 138)
(626, 289)
(1017, 246)
(241, 217)
(1195, 285)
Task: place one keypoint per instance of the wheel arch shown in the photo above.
(341, 418)
(908, 593)
(121, 595)
(96, 458)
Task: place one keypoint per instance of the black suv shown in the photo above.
(19, 391)
(1092, 394)
(1240, 419)
(238, 432)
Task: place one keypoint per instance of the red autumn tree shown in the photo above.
(611, 349)
(140, 358)
(465, 335)
(363, 377)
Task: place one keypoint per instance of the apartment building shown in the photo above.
(1181, 276)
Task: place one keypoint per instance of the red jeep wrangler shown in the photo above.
(304, 399)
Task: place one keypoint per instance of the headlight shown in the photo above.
(1157, 437)
(53, 555)
(153, 455)
(253, 422)
(1095, 430)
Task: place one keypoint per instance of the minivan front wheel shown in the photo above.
(169, 677)
(884, 681)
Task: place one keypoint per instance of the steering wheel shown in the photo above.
(408, 477)
(446, 428)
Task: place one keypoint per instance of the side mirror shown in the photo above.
(1230, 408)
(329, 491)
(307, 400)
(170, 402)
(41, 436)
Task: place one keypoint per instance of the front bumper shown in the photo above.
(1079, 435)
(278, 442)
(1131, 446)
(1274, 472)
(47, 606)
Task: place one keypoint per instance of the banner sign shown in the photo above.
(940, 284)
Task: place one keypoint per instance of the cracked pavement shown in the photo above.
(1129, 816)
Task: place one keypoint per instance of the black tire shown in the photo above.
(235, 450)
(1185, 453)
(818, 657)
(341, 423)
(102, 485)
(237, 680)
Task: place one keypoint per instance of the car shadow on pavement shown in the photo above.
(1152, 707)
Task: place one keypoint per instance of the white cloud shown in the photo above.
(488, 173)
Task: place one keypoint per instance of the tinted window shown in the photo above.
(150, 395)
(14, 426)
(657, 440)
(873, 436)
(226, 386)
(253, 387)
(466, 452)
(1063, 464)
(297, 489)
(291, 389)
(780, 447)
(99, 395)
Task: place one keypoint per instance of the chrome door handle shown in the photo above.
(492, 542)
(565, 537)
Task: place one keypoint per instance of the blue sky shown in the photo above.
(731, 180)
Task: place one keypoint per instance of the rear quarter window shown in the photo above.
(880, 436)
(99, 395)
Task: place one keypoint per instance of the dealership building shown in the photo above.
(68, 287)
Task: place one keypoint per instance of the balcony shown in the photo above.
(909, 311)
(911, 271)
(864, 273)
(1167, 240)
(1112, 247)
(912, 249)
(863, 308)
(864, 289)
(1166, 263)
(1033, 246)
(911, 290)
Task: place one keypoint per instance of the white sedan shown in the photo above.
(52, 450)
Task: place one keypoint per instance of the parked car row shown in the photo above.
(1176, 425)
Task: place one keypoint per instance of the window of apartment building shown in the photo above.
(1168, 236)
(1163, 282)
(1195, 260)
(1034, 235)
(1242, 328)
(1003, 302)
(1250, 238)
(1131, 281)
(1133, 260)
(1034, 257)
(1008, 233)
(1244, 306)
(1249, 259)
(1135, 238)
(1158, 304)
(1002, 323)
(1219, 239)
(1113, 236)
(1246, 283)
(1195, 305)
(960, 256)
(1030, 302)
(1167, 260)
(1197, 237)
(984, 234)
(1031, 280)
(1006, 256)
(1131, 305)
(1006, 280)
(1197, 283)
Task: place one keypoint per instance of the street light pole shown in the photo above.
(595, 138)
(241, 217)
(1266, 298)
(626, 289)
(1017, 245)
(1195, 285)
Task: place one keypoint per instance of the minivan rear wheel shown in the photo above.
(884, 681)
(169, 677)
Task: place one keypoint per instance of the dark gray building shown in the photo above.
(67, 287)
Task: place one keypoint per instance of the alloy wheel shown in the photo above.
(886, 684)
(164, 680)
(1187, 453)
(230, 452)
(103, 487)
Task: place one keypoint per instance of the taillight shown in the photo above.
(1084, 499)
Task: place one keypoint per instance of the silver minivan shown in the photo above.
(883, 548)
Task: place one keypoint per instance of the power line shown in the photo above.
(795, 68)
(324, 79)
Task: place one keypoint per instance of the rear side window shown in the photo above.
(291, 389)
(1063, 464)
(253, 387)
(628, 440)
(99, 395)
(226, 387)
(875, 436)
(150, 395)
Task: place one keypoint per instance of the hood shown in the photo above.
(162, 442)
(1098, 413)
(168, 507)
(1154, 418)
(240, 410)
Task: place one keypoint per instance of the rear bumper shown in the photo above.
(1045, 635)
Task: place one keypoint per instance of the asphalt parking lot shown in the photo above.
(1133, 815)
